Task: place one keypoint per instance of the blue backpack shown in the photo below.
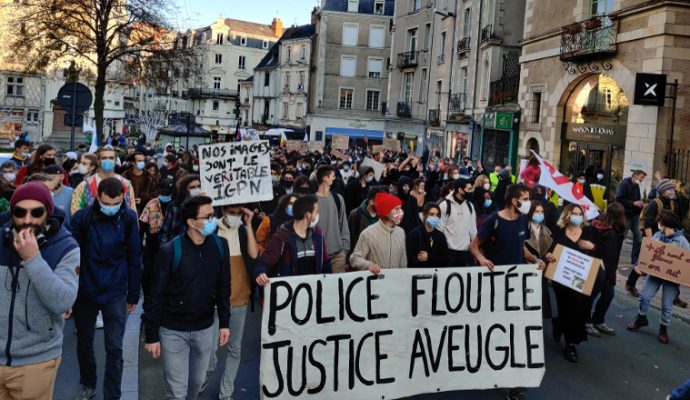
(177, 250)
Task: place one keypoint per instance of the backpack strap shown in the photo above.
(219, 244)
(177, 250)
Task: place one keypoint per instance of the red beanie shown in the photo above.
(385, 203)
(33, 191)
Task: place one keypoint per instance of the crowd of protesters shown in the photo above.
(86, 233)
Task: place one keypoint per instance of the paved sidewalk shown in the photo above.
(624, 270)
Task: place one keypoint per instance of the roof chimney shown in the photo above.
(277, 27)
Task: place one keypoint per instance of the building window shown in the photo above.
(287, 80)
(300, 111)
(243, 41)
(15, 86)
(412, 40)
(379, 7)
(350, 33)
(303, 52)
(439, 92)
(219, 38)
(373, 98)
(301, 81)
(414, 5)
(466, 21)
(346, 99)
(377, 37)
(442, 56)
(289, 53)
(353, 6)
(285, 111)
(264, 44)
(242, 62)
(422, 85)
(600, 7)
(486, 80)
(374, 67)
(535, 108)
(427, 36)
(219, 58)
(348, 66)
(267, 79)
(407, 88)
(216, 105)
(216, 82)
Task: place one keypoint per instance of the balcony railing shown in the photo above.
(487, 34)
(434, 117)
(404, 110)
(504, 90)
(464, 45)
(408, 59)
(590, 39)
(457, 103)
(212, 93)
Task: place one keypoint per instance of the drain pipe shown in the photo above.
(476, 69)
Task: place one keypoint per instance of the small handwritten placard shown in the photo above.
(665, 261)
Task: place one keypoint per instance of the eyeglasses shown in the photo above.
(19, 212)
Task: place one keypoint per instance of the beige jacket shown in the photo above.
(380, 245)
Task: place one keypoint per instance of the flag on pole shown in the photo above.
(306, 137)
(94, 137)
(554, 180)
(283, 138)
(238, 134)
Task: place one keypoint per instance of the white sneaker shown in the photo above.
(99, 321)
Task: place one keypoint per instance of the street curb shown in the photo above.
(130, 355)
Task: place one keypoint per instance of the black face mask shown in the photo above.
(288, 184)
(48, 161)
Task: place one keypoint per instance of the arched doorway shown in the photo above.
(532, 145)
(594, 129)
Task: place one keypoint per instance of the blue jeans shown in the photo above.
(185, 360)
(114, 321)
(682, 392)
(649, 289)
(238, 315)
(632, 222)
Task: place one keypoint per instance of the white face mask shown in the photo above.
(83, 169)
(195, 192)
(487, 186)
(525, 207)
(314, 222)
(10, 176)
(233, 221)
(661, 228)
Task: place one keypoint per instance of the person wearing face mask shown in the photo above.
(270, 223)
(235, 227)
(669, 231)
(597, 191)
(173, 225)
(62, 195)
(7, 181)
(109, 282)
(382, 245)
(289, 182)
(143, 185)
(482, 200)
(150, 224)
(573, 307)
(346, 172)
(87, 191)
(413, 205)
(356, 190)
(539, 244)
(494, 177)
(458, 223)
(20, 155)
(88, 163)
(363, 216)
(426, 246)
(297, 248)
(629, 195)
(44, 157)
(499, 193)
(191, 285)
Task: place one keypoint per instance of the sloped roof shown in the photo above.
(272, 58)
(249, 27)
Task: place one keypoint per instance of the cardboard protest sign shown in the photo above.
(391, 144)
(296, 145)
(355, 336)
(340, 142)
(315, 146)
(377, 166)
(377, 149)
(573, 269)
(664, 261)
(339, 154)
(236, 172)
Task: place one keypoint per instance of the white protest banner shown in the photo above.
(573, 269)
(411, 331)
(552, 179)
(236, 172)
(377, 166)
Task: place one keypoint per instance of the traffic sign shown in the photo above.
(74, 97)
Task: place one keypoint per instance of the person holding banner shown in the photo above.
(382, 245)
(427, 246)
(459, 223)
(670, 232)
(297, 248)
(575, 234)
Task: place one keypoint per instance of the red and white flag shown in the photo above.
(554, 180)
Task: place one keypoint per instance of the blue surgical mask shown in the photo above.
(538, 218)
(577, 220)
(488, 203)
(370, 178)
(433, 222)
(110, 210)
(141, 165)
(600, 176)
(288, 211)
(346, 168)
(107, 166)
(210, 227)
(165, 199)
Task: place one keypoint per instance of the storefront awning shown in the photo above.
(355, 133)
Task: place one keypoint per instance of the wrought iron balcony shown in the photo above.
(457, 103)
(408, 59)
(487, 35)
(504, 90)
(590, 39)
(434, 117)
(193, 93)
(464, 45)
(404, 110)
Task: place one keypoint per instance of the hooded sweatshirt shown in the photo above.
(35, 295)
